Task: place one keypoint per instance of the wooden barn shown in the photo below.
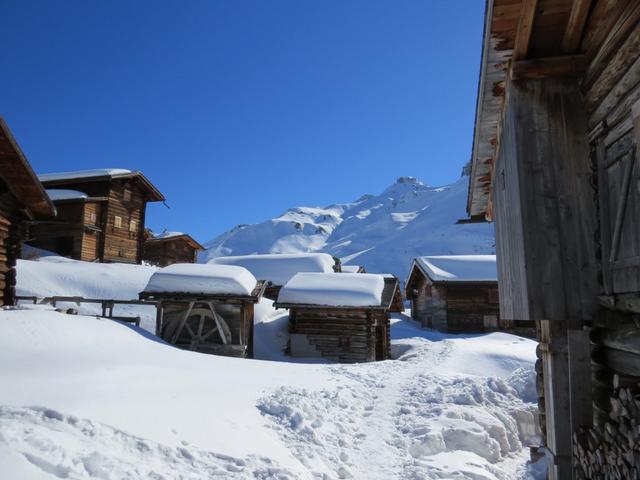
(455, 293)
(555, 166)
(101, 215)
(342, 317)
(167, 248)
(205, 308)
(22, 200)
(279, 268)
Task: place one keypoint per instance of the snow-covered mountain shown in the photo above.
(382, 232)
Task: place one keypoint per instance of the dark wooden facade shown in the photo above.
(22, 199)
(107, 226)
(343, 334)
(169, 249)
(454, 306)
(213, 324)
(555, 165)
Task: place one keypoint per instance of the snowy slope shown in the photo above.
(382, 232)
(88, 398)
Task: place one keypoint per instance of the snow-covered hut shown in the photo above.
(279, 268)
(206, 308)
(343, 317)
(22, 199)
(101, 215)
(457, 293)
(167, 248)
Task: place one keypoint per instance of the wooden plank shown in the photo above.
(575, 25)
(564, 66)
(525, 25)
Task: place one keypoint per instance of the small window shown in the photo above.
(117, 221)
(133, 226)
(92, 217)
(127, 195)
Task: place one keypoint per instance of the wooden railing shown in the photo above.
(106, 305)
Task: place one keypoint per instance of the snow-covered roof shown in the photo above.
(206, 279)
(459, 268)
(350, 268)
(279, 268)
(97, 172)
(168, 234)
(335, 290)
(63, 194)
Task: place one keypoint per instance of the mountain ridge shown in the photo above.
(382, 232)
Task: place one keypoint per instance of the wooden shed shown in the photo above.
(455, 293)
(205, 308)
(555, 166)
(22, 199)
(341, 317)
(101, 215)
(167, 248)
(279, 268)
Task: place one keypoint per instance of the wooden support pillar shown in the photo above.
(544, 209)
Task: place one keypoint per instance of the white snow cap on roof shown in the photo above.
(97, 172)
(203, 279)
(61, 194)
(167, 234)
(460, 268)
(278, 268)
(350, 268)
(335, 290)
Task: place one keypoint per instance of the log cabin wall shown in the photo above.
(169, 251)
(345, 335)
(124, 226)
(11, 234)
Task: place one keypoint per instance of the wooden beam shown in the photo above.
(565, 66)
(525, 25)
(575, 25)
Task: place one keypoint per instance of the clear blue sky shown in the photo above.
(238, 110)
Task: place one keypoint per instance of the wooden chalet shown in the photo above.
(205, 308)
(555, 166)
(455, 293)
(341, 317)
(278, 268)
(170, 247)
(101, 215)
(22, 200)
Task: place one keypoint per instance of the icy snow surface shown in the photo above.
(89, 398)
(97, 172)
(334, 289)
(62, 194)
(350, 268)
(460, 268)
(167, 234)
(202, 278)
(279, 268)
(383, 232)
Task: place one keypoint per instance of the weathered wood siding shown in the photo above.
(11, 236)
(122, 243)
(167, 252)
(344, 335)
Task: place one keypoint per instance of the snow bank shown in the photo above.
(350, 268)
(168, 234)
(63, 194)
(97, 172)
(202, 278)
(331, 289)
(279, 268)
(460, 268)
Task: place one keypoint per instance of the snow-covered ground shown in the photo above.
(86, 397)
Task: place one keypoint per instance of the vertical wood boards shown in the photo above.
(548, 142)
